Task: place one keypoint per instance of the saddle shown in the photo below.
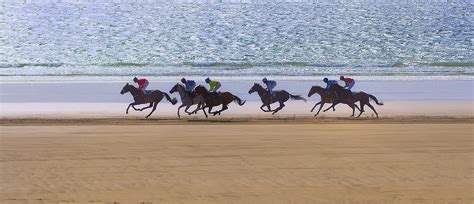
(148, 92)
(216, 94)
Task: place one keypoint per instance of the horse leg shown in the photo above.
(182, 105)
(210, 108)
(154, 108)
(261, 107)
(353, 109)
(149, 106)
(320, 107)
(204, 111)
(224, 107)
(131, 104)
(332, 106)
(361, 109)
(315, 106)
(279, 108)
(371, 107)
(198, 108)
(269, 109)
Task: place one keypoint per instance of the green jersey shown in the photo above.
(213, 85)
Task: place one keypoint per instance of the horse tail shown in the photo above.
(239, 101)
(172, 100)
(297, 97)
(375, 99)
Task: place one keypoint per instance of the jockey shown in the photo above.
(142, 84)
(189, 85)
(349, 82)
(213, 85)
(329, 83)
(270, 84)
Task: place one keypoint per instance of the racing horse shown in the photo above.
(345, 96)
(325, 98)
(267, 99)
(154, 97)
(188, 101)
(216, 99)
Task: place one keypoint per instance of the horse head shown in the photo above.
(174, 89)
(125, 89)
(316, 89)
(255, 87)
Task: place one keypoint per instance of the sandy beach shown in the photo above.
(332, 160)
(71, 145)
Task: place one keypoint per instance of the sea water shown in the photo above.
(105, 40)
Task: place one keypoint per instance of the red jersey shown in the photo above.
(348, 80)
(142, 83)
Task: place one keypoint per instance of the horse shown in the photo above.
(325, 98)
(140, 98)
(267, 99)
(216, 99)
(188, 101)
(345, 96)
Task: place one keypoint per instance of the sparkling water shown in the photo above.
(78, 39)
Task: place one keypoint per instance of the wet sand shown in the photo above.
(257, 160)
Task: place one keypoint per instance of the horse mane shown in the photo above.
(258, 85)
(318, 87)
(179, 85)
(131, 86)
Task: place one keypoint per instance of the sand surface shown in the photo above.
(391, 160)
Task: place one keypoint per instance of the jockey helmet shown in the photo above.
(135, 79)
(341, 78)
(183, 80)
(264, 80)
(208, 80)
(326, 80)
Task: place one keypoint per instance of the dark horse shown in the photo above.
(325, 98)
(215, 99)
(345, 96)
(153, 98)
(267, 99)
(188, 101)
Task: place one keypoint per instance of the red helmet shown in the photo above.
(341, 78)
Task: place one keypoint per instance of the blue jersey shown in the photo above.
(330, 82)
(270, 84)
(190, 84)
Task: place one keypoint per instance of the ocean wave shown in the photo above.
(240, 65)
(451, 64)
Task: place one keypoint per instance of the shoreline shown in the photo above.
(117, 121)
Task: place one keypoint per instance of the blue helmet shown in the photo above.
(326, 80)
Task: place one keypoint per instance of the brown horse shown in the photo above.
(345, 96)
(267, 99)
(216, 99)
(139, 98)
(188, 101)
(325, 98)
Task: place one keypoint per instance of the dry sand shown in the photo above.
(391, 160)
